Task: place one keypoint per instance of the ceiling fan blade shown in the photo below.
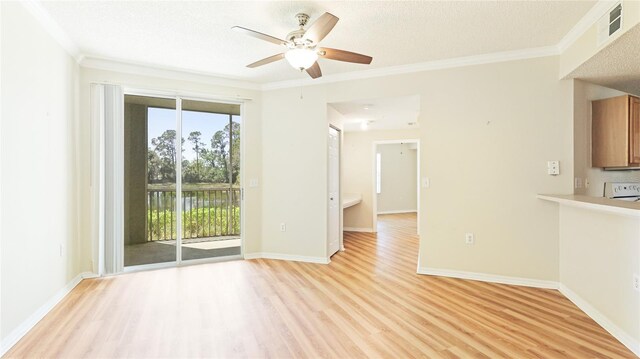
(321, 27)
(314, 70)
(266, 60)
(346, 56)
(259, 35)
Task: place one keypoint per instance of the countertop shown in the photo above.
(351, 199)
(596, 203)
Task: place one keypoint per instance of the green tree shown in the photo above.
(153, 166)
(165, 148)
(198, 147)
(235, 151)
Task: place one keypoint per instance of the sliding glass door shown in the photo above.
(181, 197)
(210, 180)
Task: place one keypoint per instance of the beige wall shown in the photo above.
(399, 191)
(357, 155)
(583, 94)
(486, 134)
(39, 199)
(598, 257)
(294, 162)
(252, 142)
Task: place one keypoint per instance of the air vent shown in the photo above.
(609, 24)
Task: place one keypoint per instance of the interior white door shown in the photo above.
(334, 191)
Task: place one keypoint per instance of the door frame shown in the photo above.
(97, 158)
(340, 209)
(374, 194)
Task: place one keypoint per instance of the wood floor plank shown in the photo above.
(367, 303)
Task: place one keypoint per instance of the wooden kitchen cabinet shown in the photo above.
(615, 132)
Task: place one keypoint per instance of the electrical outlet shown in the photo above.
(283, 227)
(469, 239)
(578, 182)
(61, 250)
(553, 168)
(586, 183)
(636, 282)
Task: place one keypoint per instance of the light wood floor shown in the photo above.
(367, 303)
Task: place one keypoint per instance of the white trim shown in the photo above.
(588, 20)
(52, 28)
(399, 211)
(419, 67)
(623, 337)
(340, 204)
(491, 278)
(168, 72)
(164, 72)
(178, 171)
(10, 340)
(358, 229)
(287, 257)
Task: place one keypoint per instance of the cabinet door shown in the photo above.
(634, 130)
(610, 132)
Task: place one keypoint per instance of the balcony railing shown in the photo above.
(206, 213)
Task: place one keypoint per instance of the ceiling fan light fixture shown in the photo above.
(301, 59)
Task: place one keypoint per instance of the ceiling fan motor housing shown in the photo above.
(295, 37)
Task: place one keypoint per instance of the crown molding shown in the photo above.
(590, 18)
(165, 72)
(102, 63)
(419, 67)
(52, 28)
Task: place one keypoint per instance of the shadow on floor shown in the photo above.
(165, 251)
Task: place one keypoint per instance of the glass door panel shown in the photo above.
(149, 180)
(210, 180)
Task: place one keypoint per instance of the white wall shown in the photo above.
(486, 134)
(598, 257)
(294, 162)
(583, 94)
(358, 171)
(39, 199)
(399, 192)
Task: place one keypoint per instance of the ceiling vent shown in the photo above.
(609, 24)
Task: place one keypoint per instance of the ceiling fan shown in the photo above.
(302, 45)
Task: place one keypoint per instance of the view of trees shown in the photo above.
(215, 162)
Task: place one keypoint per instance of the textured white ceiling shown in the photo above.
(391, 113)
(197, 36)
(616, 66)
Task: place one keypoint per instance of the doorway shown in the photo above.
(182, 198)
(396, 188)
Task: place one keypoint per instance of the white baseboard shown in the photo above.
(17, 334)
(602, 320)
(287, 257)
(492, 278)
(399, 211)
(358, 229)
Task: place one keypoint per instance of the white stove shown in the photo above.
(623, 191)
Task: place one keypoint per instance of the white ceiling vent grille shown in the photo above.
(609, 24)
